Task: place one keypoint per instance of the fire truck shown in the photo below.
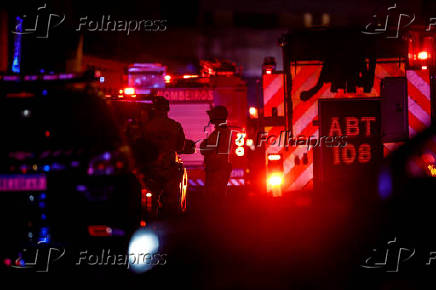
(191, 96)
(329, 79)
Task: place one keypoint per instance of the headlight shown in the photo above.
(143, 245)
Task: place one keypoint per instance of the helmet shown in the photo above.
(161, 104)
(218, 113)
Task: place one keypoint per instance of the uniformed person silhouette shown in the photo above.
(215, 150)
(168, 138)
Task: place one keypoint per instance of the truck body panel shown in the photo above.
(298, 159)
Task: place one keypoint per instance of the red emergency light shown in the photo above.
(99, 231)
(190, 76)
(253, 112)
(420, 51)
(275, 179)
(225, 73)
(20, 95)
(129, 91)
(423, 55)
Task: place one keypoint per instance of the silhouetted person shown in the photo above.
(168, 138)
(216, 154)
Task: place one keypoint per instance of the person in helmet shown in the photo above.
(167, 137)
(162, 131)
(216, 149)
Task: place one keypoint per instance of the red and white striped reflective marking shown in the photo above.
(418, 86)
(300, 176)
(232, 182)
(196, 182)
(272, 93)
(236, 182)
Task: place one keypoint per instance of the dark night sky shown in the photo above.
(185, 20)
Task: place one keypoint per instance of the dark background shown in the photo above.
(242, 31)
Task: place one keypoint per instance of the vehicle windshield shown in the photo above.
(59, 119)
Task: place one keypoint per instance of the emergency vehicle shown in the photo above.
(322, 65)
(190, 97)
(66, 174)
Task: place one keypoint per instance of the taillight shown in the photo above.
(129, 91)
(275, 183)
(108, 163)
(104, 231)
(275, 175)
(275, 179)
(147, 199)
(420, 51)
(20, 95)
(99, 231)
(423, 55)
